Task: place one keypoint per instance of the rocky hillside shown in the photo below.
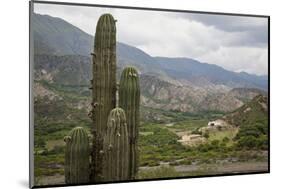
(62, 62)
(164, 95)
(64, 70)
(250, 113)
(75, 71)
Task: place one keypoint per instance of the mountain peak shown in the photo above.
(54, 36)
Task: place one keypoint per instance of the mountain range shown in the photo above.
(62, 57)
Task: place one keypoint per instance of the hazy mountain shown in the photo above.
(62, 57)
(246, 94)
(58, 37)
(55, 36)
(196, 72)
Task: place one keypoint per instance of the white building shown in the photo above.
(218, 122)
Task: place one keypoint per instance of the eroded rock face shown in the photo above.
(41, 92)
(221, 102)
(160, 94)
(185, 97)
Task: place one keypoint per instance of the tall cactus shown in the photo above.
(103, 86)
(129, 94)
(77, 155)
(116, 146)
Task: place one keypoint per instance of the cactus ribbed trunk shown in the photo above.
(77, 157)
(103, 87)
(129, 101)
(116, 146)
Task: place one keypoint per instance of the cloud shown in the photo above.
(254, 29)
(233, 42)
(251, 60)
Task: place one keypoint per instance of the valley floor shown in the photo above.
(161, 152)
(182, 171)
(213, 169)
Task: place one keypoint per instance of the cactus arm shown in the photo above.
(77, 156)
(116, 146)
(129, 98)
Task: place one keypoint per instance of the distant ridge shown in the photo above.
(54, 36)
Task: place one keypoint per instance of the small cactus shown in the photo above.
(115, 147)
(77, 156)
(129, 101)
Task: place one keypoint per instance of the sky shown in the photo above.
(235, 43)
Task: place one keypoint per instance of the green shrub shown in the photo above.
(206, 135)
(225, 140)
(39, 142)
(247, 142)
(262, 142)
(196, 132)
(215, 143)
(256, 129)
(150, 163)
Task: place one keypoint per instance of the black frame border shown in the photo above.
(31, 126)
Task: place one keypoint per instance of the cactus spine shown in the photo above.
(77, 156)
(103, 86)
(129, 94)
(116, 146)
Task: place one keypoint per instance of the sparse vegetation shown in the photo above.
(161, 172)
(158, 142)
